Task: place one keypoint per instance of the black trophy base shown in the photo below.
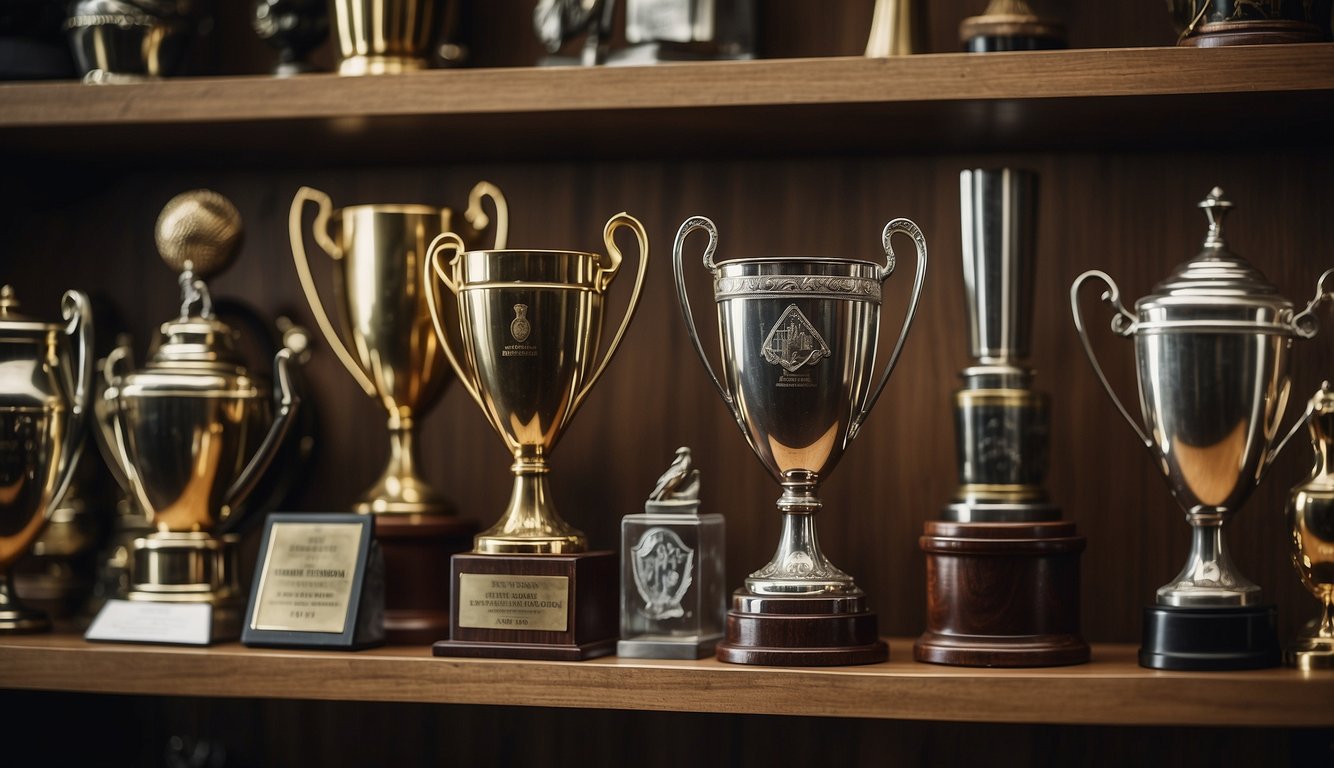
(1002, 44)
(552, 607)
(1203, 639)
(1219, 34)
(801, 632)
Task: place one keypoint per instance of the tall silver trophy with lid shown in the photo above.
(1211, 351)
(799, 338)
(673, 600)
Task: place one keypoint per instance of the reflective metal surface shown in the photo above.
(799, 339)
(192, 433)
(1311, 518)
(384, 37)
(898, 28)
(999, 216)
(1211, 349)
(530, 324)
(386, 342)
(130, 40)
(45, 380)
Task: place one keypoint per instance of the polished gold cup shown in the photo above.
(384, 37)
(379, 252)
(45, 381)
(531, 325)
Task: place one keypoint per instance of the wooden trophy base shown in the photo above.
(1002, 595)
(416, 551)
(1203, 639)
(1222, 33)
(553, 607)
(801, 632)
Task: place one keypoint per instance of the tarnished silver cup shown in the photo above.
(1211, 351)
(799, 338)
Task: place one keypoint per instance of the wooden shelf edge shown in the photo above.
(1112, 690)
(1086, 73)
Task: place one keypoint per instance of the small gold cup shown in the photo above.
(379, 252)
(530, 324)
(384, 37)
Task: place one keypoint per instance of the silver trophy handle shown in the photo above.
(287, 400)
(907, 227)
(1123, 324)
(1305, 325)
(683, 298)
(78, 314)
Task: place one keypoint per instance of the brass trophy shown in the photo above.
(898, 28)
(530, 324)
(45, 381)
(1002, 568)
(1211, 351)
(799, 338)
(389, 348)
(1011, 25)
(193, 432)
(384, 37)
(1311, 518)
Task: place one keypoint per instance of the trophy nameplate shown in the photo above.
(319, 583)
(133, 621)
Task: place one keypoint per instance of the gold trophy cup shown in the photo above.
(384, 37)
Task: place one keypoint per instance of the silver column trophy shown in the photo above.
(1211, 351)
(1002, 567)
(799, 339)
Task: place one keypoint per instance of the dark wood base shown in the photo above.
(1220, 33)
(801, 632)
(1002, 595)
(1204, 639)
(416, 552)
(589, 604)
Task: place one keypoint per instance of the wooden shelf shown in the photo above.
(1145, 97)
(1112, 690)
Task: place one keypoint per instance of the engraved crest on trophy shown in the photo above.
(520, 327)
(794, 343)
(662, 572)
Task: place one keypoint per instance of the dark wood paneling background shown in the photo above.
(1130, 213)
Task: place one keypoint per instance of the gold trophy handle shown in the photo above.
(907, 227)
(476, 214)
(78, 314)
(441, 242)
(606, 274)
(683, 298)
(1123, 324)
(287, 400)
(1304, 325)
(321, 231)
(112, 429)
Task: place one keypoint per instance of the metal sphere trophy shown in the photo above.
(386, 343)
(1211, 352)
(45, 383)
(1002, 568)
(799, 339)
(529, 327)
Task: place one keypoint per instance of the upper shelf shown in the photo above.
(1276, 96)
(1112, 690)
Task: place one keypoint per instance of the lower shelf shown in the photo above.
(1112, 690)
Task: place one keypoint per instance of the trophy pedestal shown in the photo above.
(192, 568)
(1002, 595)
(16, 619)
(1257, 32)
(551, 607)
(1310, 654)
(417, 550)
(801, 632)
(666, 647)
(1198, 639)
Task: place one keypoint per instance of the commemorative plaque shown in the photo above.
(318, 583)
(529, 325)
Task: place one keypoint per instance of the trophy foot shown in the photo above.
(395, 494)
(801, 632)
(18, 620)
(379, 65)
(1209, 638)
(1310, 654)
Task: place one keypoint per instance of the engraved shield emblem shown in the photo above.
(663, 565)
(520, 327)
(794, 342)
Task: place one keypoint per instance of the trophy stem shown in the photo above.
(1209, 578)
(530, 524)
(14, 616)
(798, 566)
(400, 490)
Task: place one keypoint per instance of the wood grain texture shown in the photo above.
(1110, 690)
